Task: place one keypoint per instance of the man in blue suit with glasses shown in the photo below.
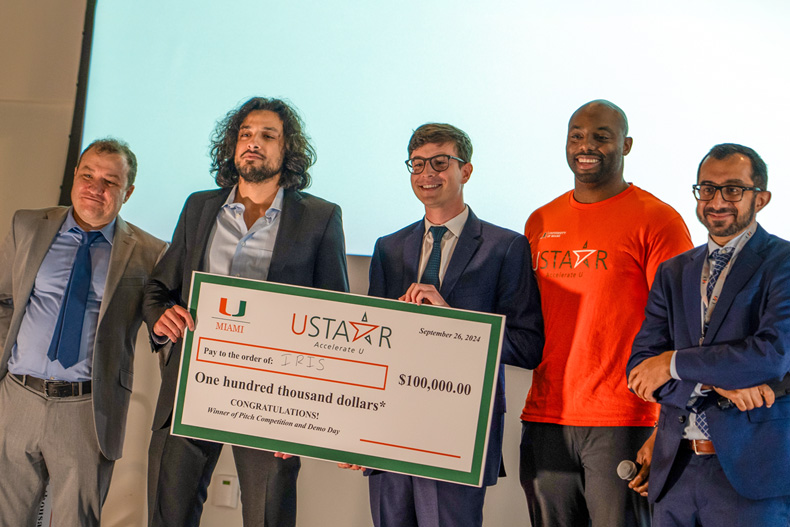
(714, 345)
(452, 258)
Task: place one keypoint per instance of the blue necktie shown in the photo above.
(65, 345)
(431, 273)
(720, 259)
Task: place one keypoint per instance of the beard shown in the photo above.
(724, 229)
(256, 174)
(603, 172)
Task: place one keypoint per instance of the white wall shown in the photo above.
(39, 58)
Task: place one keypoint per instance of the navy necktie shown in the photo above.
(720, 259)
(65, 345)
(431, 273)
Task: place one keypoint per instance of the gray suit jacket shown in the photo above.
(133, 256)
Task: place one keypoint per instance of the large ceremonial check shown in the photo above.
(379, 383)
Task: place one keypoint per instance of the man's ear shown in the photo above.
(627, 143)
(466, 172)
(128, 193)
(761, 200)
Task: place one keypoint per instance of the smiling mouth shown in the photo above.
(719, 216)
(587, 160)
(720, 213)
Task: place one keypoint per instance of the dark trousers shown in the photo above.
(697, 493)
(397, 500)
(268, 484)
(569, 475)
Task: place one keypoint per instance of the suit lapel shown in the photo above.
(42, 234)
(745, 265)
(208, 216)
(468, 243)
(692, 276)
(288, 232)
(37, 238)
(122, 246)
(412, 248)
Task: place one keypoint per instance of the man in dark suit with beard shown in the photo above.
(258, 225)
(716, 334)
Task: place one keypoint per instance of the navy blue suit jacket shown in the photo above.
(490, 271)
(747, 344)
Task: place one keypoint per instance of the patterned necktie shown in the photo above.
(65, 345)
(720, 259)
(431, 273)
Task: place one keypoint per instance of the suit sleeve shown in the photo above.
(519, 300)
(163, 289)
(761, 357)
(331, 271)
(654, 338)
(7, 255)
(376, 285)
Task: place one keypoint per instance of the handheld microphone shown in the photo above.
(627, 470)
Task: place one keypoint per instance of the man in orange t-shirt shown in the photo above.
(595, 251)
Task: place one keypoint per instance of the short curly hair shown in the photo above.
(442, 133)
(298, 157)
(111, 145)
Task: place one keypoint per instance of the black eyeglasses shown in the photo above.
(729, 193)
(439, 163)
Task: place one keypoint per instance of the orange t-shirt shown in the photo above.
(594, 264)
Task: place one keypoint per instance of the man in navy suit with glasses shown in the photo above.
(715, 339)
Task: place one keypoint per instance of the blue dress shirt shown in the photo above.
(235, 250)
(29, 354)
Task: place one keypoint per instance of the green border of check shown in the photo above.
(473, 477)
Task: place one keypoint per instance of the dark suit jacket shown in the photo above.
(747, 343)
(490, 271)
(309, 251)
(133, 256)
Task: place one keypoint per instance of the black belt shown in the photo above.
(54, 388)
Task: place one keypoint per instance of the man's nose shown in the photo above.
(429, 170)
(588, 144)
(95, 186)
(718, 200)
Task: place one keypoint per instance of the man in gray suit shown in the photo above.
(71, 287)
(261, 225)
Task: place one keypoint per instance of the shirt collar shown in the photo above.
(71, 225)
(276, 206)
(712, 246)
(454, 225)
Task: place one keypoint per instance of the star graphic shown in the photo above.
(582, 255)
(361, 326)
